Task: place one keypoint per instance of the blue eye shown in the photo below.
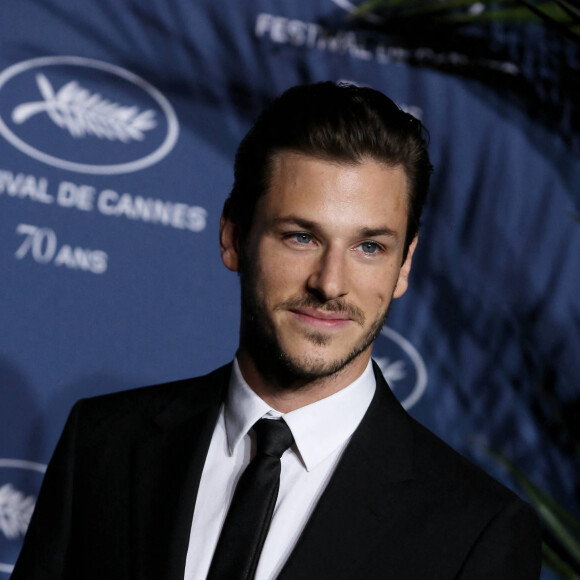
(370, 247)
(303, 238)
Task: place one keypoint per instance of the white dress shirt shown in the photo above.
(321, 432)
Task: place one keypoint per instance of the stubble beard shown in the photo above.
(278, 367)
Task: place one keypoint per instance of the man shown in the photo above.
(321, 226)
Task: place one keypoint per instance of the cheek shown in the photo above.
(383, 300)
(275, 280)
(286, 281)
(282, 270)
(380, 290)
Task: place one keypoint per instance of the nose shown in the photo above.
(328, 279)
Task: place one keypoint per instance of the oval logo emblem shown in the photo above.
(402, 366)
(19, 484)
(85, 115)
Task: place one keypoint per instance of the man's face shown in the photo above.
(320, 266)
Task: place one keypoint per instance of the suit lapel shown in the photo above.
(364, 490)
(166, 471)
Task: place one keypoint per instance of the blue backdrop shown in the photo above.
(118, 126)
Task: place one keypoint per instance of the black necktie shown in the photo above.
(240, 544)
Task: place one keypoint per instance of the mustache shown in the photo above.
(336, 305)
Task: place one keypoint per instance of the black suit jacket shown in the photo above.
(118, 498)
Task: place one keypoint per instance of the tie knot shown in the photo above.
(273, 437)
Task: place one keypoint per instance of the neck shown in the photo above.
(286, 397)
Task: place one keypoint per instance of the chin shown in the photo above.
(315, 362)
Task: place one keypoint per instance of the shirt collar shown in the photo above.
(318, 429)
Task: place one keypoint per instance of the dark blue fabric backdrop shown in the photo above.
(118, 125)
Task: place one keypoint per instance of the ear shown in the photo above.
(403, 280)
(229, 244)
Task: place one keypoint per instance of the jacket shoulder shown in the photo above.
(124, 412)
(446, 468)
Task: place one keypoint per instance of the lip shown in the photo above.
(321, 318)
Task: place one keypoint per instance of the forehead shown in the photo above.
(367, 194)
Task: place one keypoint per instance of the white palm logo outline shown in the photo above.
(392, 371)
(83, 113)
(397, 370)
(15, 511)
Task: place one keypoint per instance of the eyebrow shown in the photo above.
(310, 225)
(374, 232)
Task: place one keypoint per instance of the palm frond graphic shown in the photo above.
(83, 113)
(562, 15)
(525, 50)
